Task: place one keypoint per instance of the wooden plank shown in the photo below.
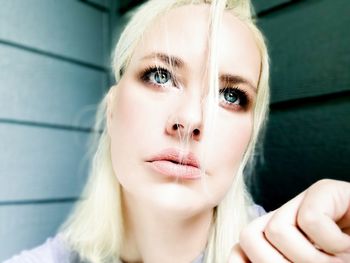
(67, 28)
(41, 163)
(304, 144)
(27, 226)
(102, 3)
(261, 6)
(310, 49)
(41, 89)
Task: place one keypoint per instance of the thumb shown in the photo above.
(237, 255)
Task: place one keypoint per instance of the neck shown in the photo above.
(150, 236)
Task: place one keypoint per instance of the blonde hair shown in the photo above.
(95, 227)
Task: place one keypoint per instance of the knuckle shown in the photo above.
(307, 219)
(273, 231)
(324, 182)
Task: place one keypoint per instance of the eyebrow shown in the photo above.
(177, 62)
(229, 79)
(167, 59)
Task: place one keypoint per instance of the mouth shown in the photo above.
(174, 163)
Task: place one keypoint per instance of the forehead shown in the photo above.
(183, 32)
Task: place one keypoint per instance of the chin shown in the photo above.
(179, 201)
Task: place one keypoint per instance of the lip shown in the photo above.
(175, 163)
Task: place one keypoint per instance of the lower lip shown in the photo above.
(176, 170)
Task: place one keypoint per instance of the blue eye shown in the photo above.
(233, 97)
(230, 96)
(158, 76)
(161, 77)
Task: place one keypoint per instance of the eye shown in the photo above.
(161, 77)
(233, 97)
(158, 76)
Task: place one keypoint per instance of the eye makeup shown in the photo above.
(234, 98)
(230, 97)
(158, 76)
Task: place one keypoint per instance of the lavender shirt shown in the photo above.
(55, 250)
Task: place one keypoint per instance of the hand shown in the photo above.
(312, 227)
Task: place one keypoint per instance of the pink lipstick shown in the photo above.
(175, 163)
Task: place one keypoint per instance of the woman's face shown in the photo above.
(156, 119)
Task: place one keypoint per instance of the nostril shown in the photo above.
(196, 132)
(177, 126)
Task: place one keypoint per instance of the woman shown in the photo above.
(179, 127)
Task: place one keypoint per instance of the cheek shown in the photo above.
(136, 122)
(233, 140)
(131, 118)
(128, 127)
(228, 144)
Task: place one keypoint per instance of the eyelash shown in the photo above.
(242, 95)
(145, 75)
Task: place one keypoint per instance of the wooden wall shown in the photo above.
(308, 132)
(54, 69)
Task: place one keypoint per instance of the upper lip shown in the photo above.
(177, 156)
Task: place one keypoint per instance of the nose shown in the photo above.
(186, 122)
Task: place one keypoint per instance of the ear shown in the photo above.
(110, 98)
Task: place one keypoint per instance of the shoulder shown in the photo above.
(54, 250)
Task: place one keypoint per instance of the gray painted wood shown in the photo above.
(41, 89)
(103, 3)
(310, 49)
(67, 28)
(53, 56)
(27, 226)
(41, 163)
(304, 143)
(261, 6)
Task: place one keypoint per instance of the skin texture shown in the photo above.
(167, 216)
(312, 227)
(143, 115)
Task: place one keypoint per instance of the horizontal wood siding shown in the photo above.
(66, 28)
(309, 47)
(41, 163)
(54, 70)
(266, 5)
(308, 131)
(304, 143)
(101, 3)
(37, 88)
(23, 227)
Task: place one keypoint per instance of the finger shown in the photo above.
(344, 222)
(282, 232)
(344, 257)
(324, 204)
(237, 255)
(346, 231)
(254, 244)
